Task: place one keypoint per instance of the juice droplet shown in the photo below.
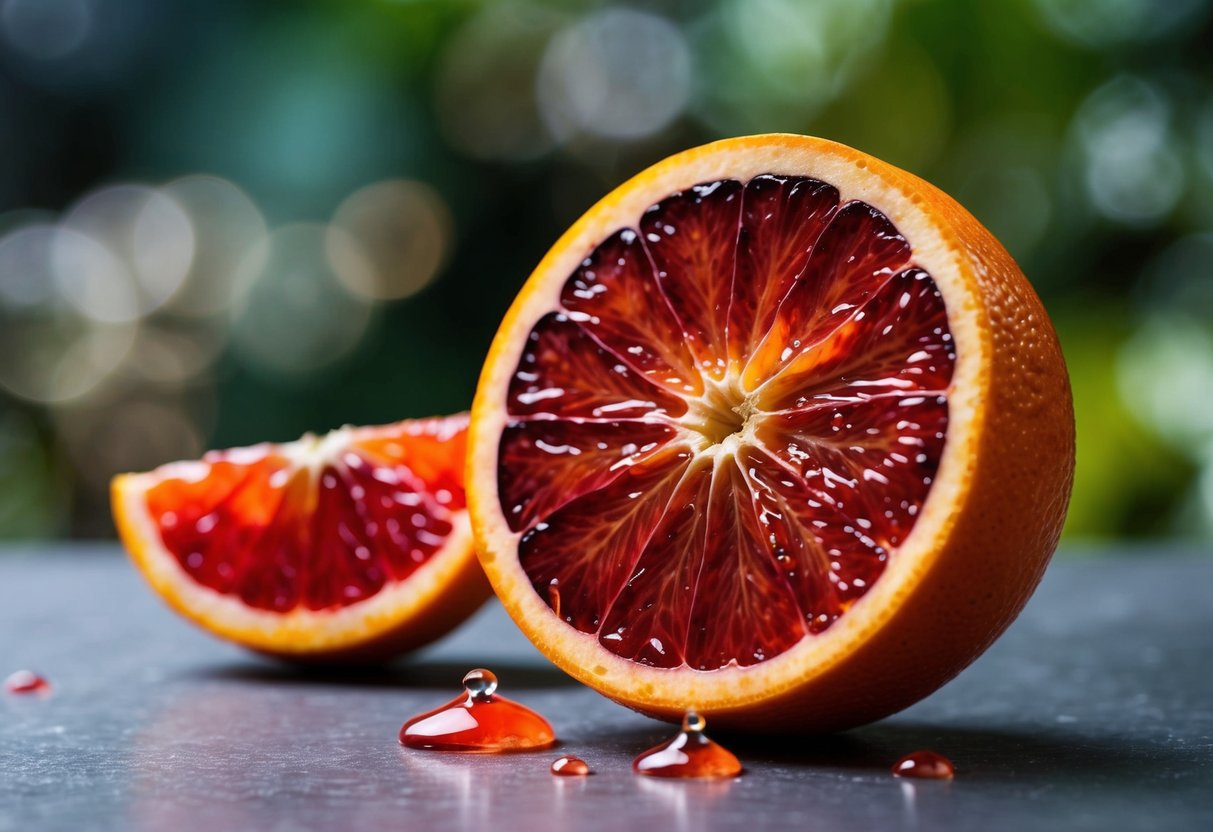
(479, 721)
(689, 754)
(925, 764)
(570, 766)
(26, 681)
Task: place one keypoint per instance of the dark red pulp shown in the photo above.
(281, 537)
(730, 425)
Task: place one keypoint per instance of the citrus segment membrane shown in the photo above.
(615, 298)
(729, 424)
(691, 239)
(566, 372)
(588, 545)
(781, 220)
(554, 462)
(320, 524)
(856, 253)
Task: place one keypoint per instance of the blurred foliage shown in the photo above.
(191, 257)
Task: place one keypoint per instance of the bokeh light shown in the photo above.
(1103, 23)
(68, 316)
(485, 84)
(147, 229)
(77, 48)
(388, 240)
(773, 64)
(1131, 167)
(617, 73)
(1166, 373)
(90, 277)
(173, 353)
(45, 30)
(227, 227)
(25, 266)
(297, 317)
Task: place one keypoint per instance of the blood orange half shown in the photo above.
(775, 431)
(351, 546)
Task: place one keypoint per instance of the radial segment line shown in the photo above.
(653, 270)
(791, 519)
(826, 442)
(656, 524)
(759, 446)
(635, 459)
(648, 419)
(640, 373)
(755, 343)
(703, 554)
(826, 404)
(826, 337)
(728, 312)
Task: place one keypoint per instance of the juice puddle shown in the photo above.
(570, 766)
(479, 721)
(689, 754)
(26, 681)
(926, 765)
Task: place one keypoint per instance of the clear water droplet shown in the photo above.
(480, 683)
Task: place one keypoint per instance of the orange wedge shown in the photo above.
(353, 546)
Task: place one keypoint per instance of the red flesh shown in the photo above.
(817, 311)
(280, 537)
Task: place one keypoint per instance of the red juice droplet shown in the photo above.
(570, 766)
(689, 754)
(26, 681)
(925, 764)
(479, 721)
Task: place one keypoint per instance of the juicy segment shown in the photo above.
(729, 426)
(299, 526)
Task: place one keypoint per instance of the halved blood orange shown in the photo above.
(350, 546)
(776, 431)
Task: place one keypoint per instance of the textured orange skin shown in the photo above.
(453, 605)
(1005, 522)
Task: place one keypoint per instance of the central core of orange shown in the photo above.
(723, 411)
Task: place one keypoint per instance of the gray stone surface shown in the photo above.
(1094, 712)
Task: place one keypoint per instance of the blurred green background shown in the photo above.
(224, 222)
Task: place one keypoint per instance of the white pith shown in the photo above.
(581, 654)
